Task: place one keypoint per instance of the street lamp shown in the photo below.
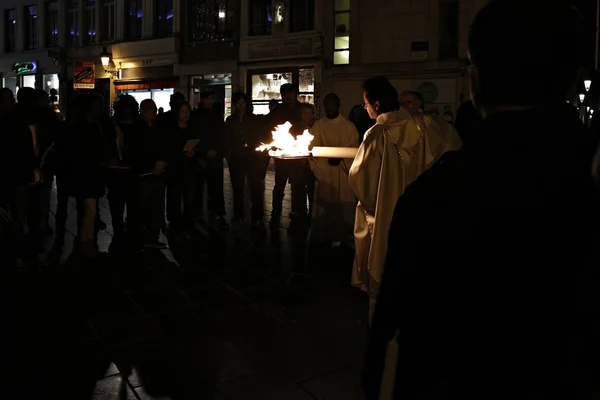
(105, 58)
(581, 97)
(587, 84)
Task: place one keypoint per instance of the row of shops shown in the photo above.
(260, 72)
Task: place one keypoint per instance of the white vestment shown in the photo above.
(334, 201)
(395, 151)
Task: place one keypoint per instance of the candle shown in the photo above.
(334, 152)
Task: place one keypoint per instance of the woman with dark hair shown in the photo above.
(81, 154)
(361, 120)
(243, 136)
(183, 141)
(395, 151)
(119, 180)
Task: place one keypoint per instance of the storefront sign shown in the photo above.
(83, 74)
(27, 67)
(283, 48)
(419, 51)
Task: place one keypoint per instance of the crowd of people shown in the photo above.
(475, 242)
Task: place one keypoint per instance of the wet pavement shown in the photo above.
(215, 317)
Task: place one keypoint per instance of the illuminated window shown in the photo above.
(30, 29)
(73, 23)
(261, 17)
(51, 23)
(89, 14)
(266, 87)
(341, 44)
(134, 19)
(164, 18)
(211, 20)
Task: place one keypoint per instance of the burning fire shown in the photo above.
(284, 143)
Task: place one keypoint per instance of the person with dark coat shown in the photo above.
(81, 150)
(180, 174)
(20, 172)
(209, 155)
(490, 288)
(147, 153)
(468, 122)
(361, 120)
(243, 132)
(288, 111)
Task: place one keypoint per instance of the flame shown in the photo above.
(284, 143)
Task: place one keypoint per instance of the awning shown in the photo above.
(145, 84)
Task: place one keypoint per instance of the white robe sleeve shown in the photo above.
(366, 168)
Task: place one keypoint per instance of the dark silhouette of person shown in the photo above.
(490, 286)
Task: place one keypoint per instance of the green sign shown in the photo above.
(429, 91)
(28, 67)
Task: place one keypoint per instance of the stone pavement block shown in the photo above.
(340, 385)
(264, 386)
(113, 388)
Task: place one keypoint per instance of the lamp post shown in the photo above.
(106, 59)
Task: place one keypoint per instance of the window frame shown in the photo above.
(268, 27)
(291, 25)
(50, 24)
(110, 33)
(337, 12)
(225, 31)
(131, 30)
(157, 13)
(12, 46)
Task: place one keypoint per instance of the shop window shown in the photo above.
(51, 82)
(28, 81)
(161, 97)
(134, 19)
(266, 87)
(164, 18)
(89, 15)
(211, 20)
(51, 10)
(10, 30)
(341, 43)
(73, 23)
(261, 17)
(30, 27)
(108, 21)
(10, 83)
(302, 15)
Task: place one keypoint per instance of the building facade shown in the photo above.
(210, 48)
(281, 42)
(418, 44)
(64, 41)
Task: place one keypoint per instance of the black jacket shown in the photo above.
(490, 281)
(144, 145)
(17, 156)
(211, 130)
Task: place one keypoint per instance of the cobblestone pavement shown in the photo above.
(214, 317)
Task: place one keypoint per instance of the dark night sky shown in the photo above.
(588, 8)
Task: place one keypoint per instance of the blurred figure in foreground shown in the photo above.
(490, 286)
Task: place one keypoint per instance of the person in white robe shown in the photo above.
(395, 151)
(334, 200)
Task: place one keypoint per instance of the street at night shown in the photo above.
(214, 318)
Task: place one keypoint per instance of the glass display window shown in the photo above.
(266, 85)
